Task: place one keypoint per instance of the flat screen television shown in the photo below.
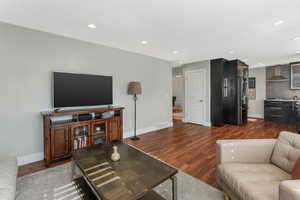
(72, 90)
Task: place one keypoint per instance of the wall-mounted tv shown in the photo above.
(81, 90)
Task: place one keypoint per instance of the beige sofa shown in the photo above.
(8, 176)
(259, 169)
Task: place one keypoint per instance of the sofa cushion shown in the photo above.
(253, 181)
(286, 151)
(8, 176)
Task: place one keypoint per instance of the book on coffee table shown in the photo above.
(132, 177)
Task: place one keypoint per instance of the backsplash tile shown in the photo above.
(279, 89)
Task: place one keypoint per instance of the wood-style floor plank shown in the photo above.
(189, 147)
(192, 148)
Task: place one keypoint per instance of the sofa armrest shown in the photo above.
(289, 190)
(245, 151)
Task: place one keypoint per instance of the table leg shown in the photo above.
(174, 187)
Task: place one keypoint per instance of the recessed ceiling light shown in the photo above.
(297, 38)
(175, 52)
(144, 42)
(279, 22)
(298, 52)
(231, 52)
(92, 26)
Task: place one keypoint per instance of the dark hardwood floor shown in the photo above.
(192, 148)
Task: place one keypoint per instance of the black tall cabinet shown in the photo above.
(229, 83)
(217, 79)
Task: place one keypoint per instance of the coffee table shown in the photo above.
(133, 177)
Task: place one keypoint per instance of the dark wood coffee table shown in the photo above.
(131, 178)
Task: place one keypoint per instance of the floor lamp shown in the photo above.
(134, 88)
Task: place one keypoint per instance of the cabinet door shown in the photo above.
(60, 142)
(229, 104)
(115, 129)
(80, 136)
(99, 132)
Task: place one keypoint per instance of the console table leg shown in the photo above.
(174, 187)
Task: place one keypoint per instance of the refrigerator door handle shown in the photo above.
(225, 87)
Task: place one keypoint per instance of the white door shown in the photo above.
(195, 96)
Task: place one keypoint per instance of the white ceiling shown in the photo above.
(197, 29)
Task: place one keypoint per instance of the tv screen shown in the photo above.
(81, 90)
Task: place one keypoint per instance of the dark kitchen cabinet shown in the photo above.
(217, 79)
(297, 116)
(229, 96)
(236, 101)
(281, 111)
(230, 103)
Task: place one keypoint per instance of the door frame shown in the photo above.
(205, 100)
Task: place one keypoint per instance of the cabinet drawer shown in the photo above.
(278, 104)
(276, 118)
(273, 103)
(276, 112)
(274, 108)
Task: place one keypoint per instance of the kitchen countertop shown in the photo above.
(288, 100)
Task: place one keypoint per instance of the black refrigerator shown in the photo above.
(229, 89)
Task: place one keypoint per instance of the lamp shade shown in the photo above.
(134, 87)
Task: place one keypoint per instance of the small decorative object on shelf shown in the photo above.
(108, 114)
(80, 137)
(115, 156)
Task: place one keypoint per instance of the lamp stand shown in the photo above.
(135, 137)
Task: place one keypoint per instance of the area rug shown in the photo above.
(55, 184)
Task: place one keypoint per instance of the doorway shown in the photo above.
(195, 96)
(178, 93)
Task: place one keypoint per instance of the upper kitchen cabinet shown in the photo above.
(278, 82)
(278, 73)
(295, 76)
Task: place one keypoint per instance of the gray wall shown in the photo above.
(27, 59)
(202, 65)
(256, 107)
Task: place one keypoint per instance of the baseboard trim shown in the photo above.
(207, 124)
(26, 159)
(30, 158)
(159, 126)
(260, 116)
